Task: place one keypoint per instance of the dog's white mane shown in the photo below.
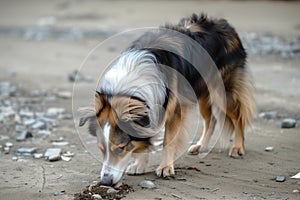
(135, 73)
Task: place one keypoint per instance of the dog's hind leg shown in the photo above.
(209, 123)
(233, 109)
(240, 109)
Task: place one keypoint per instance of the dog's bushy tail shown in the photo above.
(241, 98)
(244, 92)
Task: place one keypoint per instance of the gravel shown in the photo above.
(147, 184)
(23, 115)
(260, 45)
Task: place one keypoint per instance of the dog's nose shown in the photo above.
(107, 179)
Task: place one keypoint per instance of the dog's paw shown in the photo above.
(136, 169)
(196, 149)
(165, 171)
(237, 152)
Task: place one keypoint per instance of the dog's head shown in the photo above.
(121, 120)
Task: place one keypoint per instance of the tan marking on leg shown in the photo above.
(209, 123)
(233, 112)
(238, 148)
(174, 139)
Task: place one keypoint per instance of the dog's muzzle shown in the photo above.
(107, 179)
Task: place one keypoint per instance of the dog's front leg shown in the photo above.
(139, 165)
(174, 142)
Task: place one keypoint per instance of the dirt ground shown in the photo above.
(43, 62)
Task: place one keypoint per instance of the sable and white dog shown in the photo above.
(137, 98)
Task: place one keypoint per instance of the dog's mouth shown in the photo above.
(112, 176)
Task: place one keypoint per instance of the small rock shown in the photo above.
(53, 158)
(147, 184)
(269, 149)
(65, 158)
(6, 150)
(105, 187)
(28, 122)
(176, 196)
(3, 137)
(62, 143)
(96, 196)
(91, 186)
(37, 155)
(111, 191)
(43, 132)
(52, 154)
(288, 123)
(59, 193)
(268, 115)
(72, 75)
(14, 158)
(26, 113)
(64, 94)
(39, 125)
(23, 136)
(296, 191)
(68, 154)
(280, 178)
(27, 150)
(55, 111)
(9, 144)
(118, 185)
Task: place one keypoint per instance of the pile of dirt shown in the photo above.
(98, 191)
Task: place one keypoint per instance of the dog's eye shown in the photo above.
(119, 150)
(143, 121)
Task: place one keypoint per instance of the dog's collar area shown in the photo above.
(132, 138)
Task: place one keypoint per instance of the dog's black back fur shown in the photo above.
(217, 37)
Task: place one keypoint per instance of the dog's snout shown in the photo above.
(107, 179)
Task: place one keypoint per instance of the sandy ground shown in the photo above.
(45, 64)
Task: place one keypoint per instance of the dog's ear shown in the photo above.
(88, 113)
(132, 110)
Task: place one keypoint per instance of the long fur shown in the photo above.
(136, 89)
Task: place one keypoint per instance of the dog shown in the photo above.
(136, 99)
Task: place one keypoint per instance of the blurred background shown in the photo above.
(43, 44)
